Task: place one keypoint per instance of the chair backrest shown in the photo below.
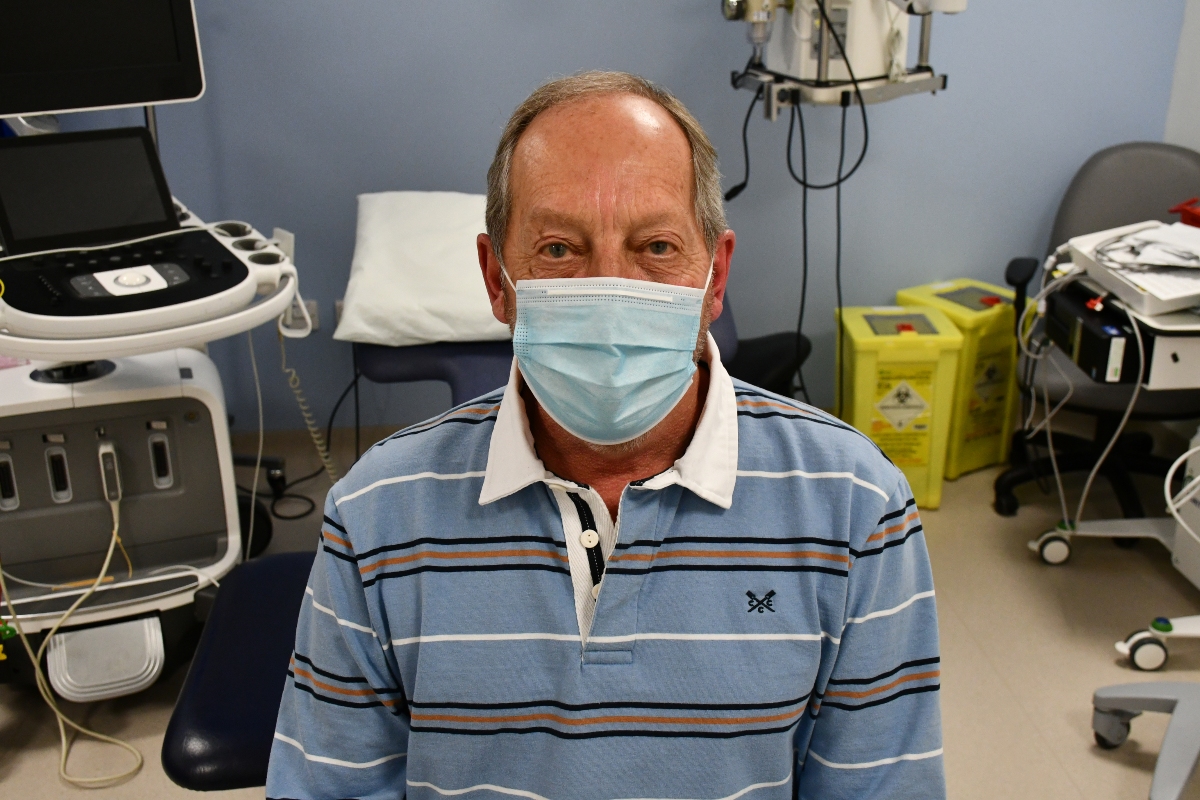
(1125, 184)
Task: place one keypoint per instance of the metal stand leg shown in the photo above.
(1116, 705)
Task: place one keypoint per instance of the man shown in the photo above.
(623, 575)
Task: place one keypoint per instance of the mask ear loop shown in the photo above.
(504, 272)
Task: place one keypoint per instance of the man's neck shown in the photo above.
(609, 470)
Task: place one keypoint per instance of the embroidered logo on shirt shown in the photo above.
(763, 604)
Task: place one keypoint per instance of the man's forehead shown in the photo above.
(603, 128)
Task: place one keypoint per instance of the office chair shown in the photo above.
(1117, 186)
(475, 368)
(221, 730)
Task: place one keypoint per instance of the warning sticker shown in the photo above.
(901, 405)
(900, 422)
(986, 406)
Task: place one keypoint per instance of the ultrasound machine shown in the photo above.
(117, 495)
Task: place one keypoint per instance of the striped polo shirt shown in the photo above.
(763, 625)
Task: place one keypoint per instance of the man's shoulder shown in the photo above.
(454, 442)
(779, 433)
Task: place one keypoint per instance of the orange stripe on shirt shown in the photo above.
(387, 562)
(734, 554)
(610, 720)
(920, 676)
(768, 403)
(336, 539)
(895, 528)
(336, 689)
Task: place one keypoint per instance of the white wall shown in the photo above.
(1183, 115)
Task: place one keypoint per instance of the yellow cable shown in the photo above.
(47, 693)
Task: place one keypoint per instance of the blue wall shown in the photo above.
(309, 104)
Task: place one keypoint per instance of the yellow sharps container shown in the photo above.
(895, 383)
(986, 400)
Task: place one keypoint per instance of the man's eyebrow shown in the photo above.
(549, 216)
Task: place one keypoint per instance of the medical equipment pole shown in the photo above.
(926, 36)
(823, 53)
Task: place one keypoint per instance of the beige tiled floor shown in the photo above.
(1023, 647)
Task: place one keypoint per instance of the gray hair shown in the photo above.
(710, 210)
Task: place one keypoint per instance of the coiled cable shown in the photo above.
(310, 422)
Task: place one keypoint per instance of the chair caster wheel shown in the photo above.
(1053, 548)
(1006, 505)
(1110, 729)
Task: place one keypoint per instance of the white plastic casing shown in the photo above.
(145, 377)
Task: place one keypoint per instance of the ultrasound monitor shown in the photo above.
(81, 189)
(75, 55)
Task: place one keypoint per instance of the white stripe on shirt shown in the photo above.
(491, 787)
(337, 762)
(799, 473)
(568, 637)
(887, 612)
(343, 622)
(437, 476)
(881, 762)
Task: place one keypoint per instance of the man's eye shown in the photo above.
(660, 248)
(556, 250)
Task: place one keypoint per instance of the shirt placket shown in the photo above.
(591, 537)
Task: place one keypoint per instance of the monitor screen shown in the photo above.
(59, 55)
(80, 189)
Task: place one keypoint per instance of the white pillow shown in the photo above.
(415, 276)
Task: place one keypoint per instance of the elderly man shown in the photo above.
(624, 575)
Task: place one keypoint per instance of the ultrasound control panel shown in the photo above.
(189, 265)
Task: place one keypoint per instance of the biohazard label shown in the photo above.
(901, 405)
(900, 422)
(986, 406)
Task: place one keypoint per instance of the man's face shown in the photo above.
(603, 187)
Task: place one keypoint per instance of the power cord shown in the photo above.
(739, 188)
(258, 456)
(803, 387)
(1025, 328)
(1185, 495)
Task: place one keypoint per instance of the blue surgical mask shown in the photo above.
(607, 358)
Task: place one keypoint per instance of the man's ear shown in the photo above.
(722, 256)
(492, 279)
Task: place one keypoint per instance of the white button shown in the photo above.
(589, 539)
(596, 591)
(131, 279)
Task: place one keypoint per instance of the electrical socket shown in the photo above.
(294, 317)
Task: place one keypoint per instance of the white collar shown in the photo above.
(708, 467)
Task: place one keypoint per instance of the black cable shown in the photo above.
(736, 190)
(862, 107)
(318, 471)
(804, 246)
(837, 269)
(312, 506)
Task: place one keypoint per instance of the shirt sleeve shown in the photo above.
(343, 720)
(878, 728)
